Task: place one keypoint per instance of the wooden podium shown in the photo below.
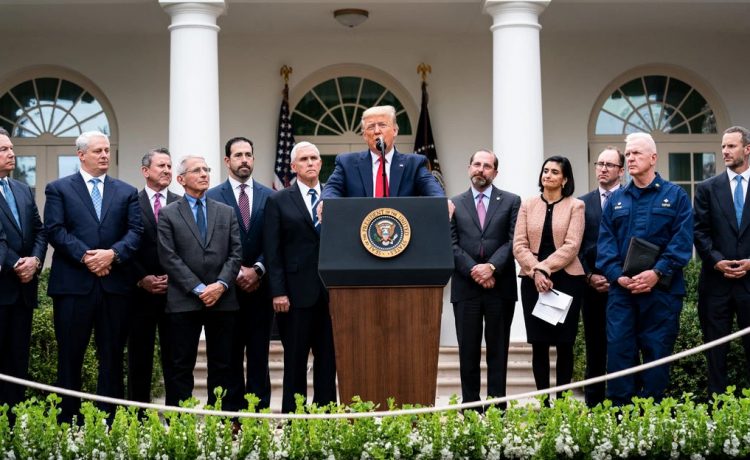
(386, 311)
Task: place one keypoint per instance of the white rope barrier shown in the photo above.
(394, 413)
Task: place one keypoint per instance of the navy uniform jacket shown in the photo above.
(659, 213)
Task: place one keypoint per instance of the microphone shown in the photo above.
(380, 145)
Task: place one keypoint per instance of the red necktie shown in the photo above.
(379, 192)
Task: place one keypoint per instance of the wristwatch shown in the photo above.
(258, 271)
(658, 272)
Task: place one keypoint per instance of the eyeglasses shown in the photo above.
(382, 125)
(603, 165)
(198, 170)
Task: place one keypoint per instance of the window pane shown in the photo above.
(67, 165)
(25, 94)
(655, 85)
(47, 89)
(689, 189)
(677, 125)
(327, 93)
(404, 126)
(608, 124)
(69, 94)
(676, 92)
(310, 106)
(302, 126)
(618, 105)
(679, 167)
(371, 93)
(705, 124)
(326, 169)
(349, 89)
(704, 165)
(26, 170)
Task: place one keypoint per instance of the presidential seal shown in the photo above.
(385, 232)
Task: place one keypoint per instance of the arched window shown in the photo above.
(51, 105)
(45, 108)
(328, 106)
(682, 113)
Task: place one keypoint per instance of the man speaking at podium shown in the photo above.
(361, 174)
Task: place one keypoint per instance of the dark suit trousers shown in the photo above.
(495, 316)
(147, 313)
(183, 332)
(15, 340)
(252, 340)
(716, 314)
(76, 316)
(302, 330)
(594, 312)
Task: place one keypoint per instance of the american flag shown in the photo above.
(284, 143)
(424, 142)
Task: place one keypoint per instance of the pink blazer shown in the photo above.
(567, 231)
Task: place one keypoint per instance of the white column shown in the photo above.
(194, 81)
(517, 132)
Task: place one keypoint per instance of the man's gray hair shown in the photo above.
(379, 110)
(643, 136)
(149, 156)
(82, 142)
(182, 166)
(4, 132)
(744, 132)
(301, 145)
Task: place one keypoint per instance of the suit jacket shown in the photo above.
(252, 238)
(593, 217)
(189, 262)
(73, 228)
(567, 232)
(30, 240)
(496, 239)
(291, 246)
(716, 233)
(409, 176)
(146, 260)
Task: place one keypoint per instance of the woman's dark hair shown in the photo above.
(567, 172)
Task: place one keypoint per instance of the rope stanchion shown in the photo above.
(394, 413)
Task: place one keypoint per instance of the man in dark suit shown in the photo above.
(483, 288)
(291, 243)
(93, 223)
(22, 251)
(248, 198)
(609, 172)
(360, 174)
(150, 297)
(200, 250)
(722, 239)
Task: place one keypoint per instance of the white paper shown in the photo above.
(552, 306)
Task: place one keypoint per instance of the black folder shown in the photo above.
(642, 255)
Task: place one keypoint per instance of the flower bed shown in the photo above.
(670, 429)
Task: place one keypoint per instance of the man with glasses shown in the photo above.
(609, 172)
(361, 174)
(643, 309)
(200, 250)
(722, 226)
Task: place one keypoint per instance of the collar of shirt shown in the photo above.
(376, 161)
(87, 177)
(192, 201)
(603, 191)
(2, 190)
(151, 193)
(487, 192)
(304, 189)
(745, 175)
(235, 184)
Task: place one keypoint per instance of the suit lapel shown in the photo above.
(227, 194)
(365, 170)
(723, 193)
(83, 192)
(257, 198)
(467, 200)
(109, 191)
(212, 214)
(187, 215)
(172, 197)
(148, 211)
(6, 209)
(496, 197)
(397, 172)
(301, 205)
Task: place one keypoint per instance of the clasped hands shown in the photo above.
(733, 269)
(641, 283)
(483, 275)
(26, 268)
(247, 279)
(99, 261)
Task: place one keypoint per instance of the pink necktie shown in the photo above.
(244, 207)
(481, 210)
(157, 206)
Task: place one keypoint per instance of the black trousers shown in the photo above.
(147, 314)
(252, 339)
(303, 330)
(716, 314)
(183, 333)
(75, 317)
(495, 316)
(594, 311)
(15, 342)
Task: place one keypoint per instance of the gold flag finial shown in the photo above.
(285, 72)
(423, 69)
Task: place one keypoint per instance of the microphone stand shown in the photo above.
(381, 147)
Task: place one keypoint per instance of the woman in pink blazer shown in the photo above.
(548, 235)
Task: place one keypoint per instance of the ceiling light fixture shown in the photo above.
(351, 17)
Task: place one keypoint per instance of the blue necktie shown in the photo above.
(11, 200)
(313, 205)
(739, 199)
(200, 219)
(96, 197)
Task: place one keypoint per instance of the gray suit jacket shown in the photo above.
(189, 262)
